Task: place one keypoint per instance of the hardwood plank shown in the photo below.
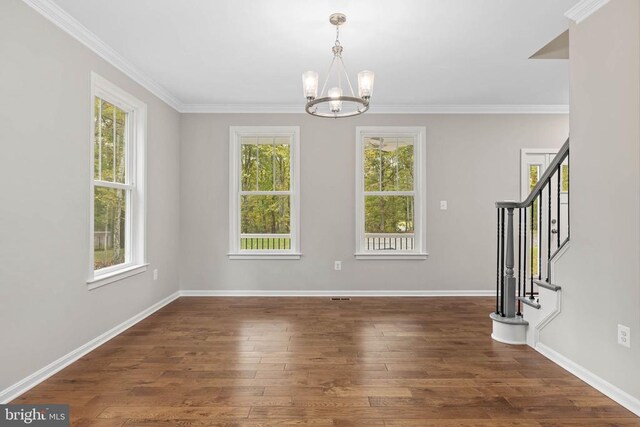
(313, 362)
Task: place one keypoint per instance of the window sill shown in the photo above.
(386, 256)
(289, 255)
(105, 279)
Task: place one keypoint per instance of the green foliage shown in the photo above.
(109, 166)
(265, 214)
(265, 166)
(388, 214)
(388, 167)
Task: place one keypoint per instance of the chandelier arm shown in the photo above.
(326, 80)
(344, 69)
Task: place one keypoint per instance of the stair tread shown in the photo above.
(530, 302)
(547, 285)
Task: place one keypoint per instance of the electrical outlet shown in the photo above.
(337, 265)
(155, 274)
(443, 205)
(624, 336)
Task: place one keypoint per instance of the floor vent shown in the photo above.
(340, 299)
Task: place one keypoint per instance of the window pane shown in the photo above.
(389, 223)
(265, 165)
(282, 163)
(388, 164)
(109, 227)
(389, 214)
(97, 148)
(106, 127)
(565, 178)
(110, 142)
(248, 164)
(372, 164)
(120, 145)
(405, 165)
(265, 222)
(265, 214)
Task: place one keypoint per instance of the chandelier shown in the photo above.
(333, 103)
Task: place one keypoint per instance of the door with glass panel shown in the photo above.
(534, 163)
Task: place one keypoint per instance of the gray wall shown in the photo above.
(472, 161)
(45, 110)
(600, 274)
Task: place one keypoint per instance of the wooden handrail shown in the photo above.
(542, 182)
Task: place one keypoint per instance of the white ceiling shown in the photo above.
(236, 53)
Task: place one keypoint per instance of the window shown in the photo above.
(390, 209)
(117, 185)
(264, 194)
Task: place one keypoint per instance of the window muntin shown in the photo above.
(117, 185)
(389, 217)
(265, 198)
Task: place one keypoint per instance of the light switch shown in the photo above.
(443, 205)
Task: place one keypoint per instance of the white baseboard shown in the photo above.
(36, 378)
(341, 293)
(605, 387)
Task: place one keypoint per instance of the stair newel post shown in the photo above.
(509, 294)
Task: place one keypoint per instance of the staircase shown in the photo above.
(525, 291)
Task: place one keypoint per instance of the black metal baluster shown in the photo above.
(558, 215)
(497, 261)
(531, 253)
(540, 236)
(549, 231)
(502, 262)
(524, 254)
(519, 253)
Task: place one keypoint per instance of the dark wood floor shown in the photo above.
(316, 362)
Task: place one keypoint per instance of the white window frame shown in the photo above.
(135, 233)
(236, 133)
(419, 192)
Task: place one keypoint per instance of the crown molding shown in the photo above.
(584, 9)
(375, 109)
(71, 26)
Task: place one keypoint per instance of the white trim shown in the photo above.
(378, 109)
(584, 9)
(136, 222)
(71, 26)
(235, 135)
(419, 190)
(558, 298)
(115, 276)
(265, 255)
(603, 386)
(391, 256)
(340, 293)
(506, 341)
(22, 386)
